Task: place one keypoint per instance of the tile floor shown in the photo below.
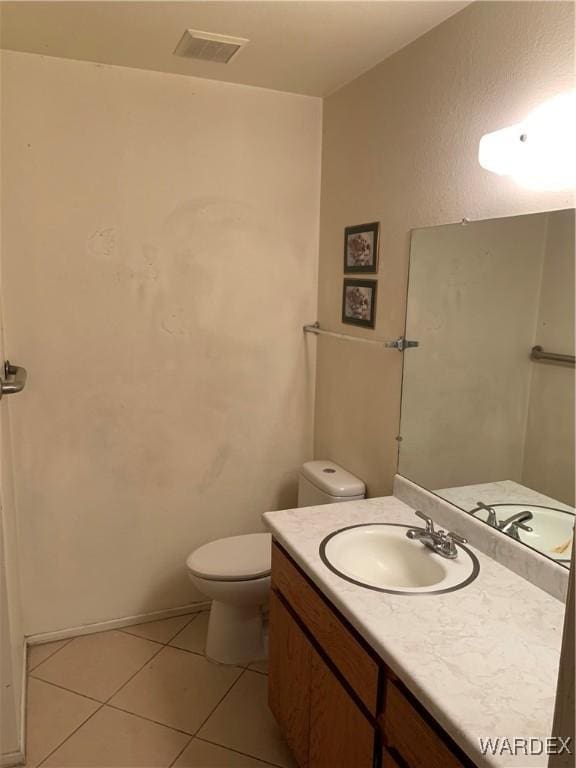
(146, 697)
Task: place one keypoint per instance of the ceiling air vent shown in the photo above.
(206, 46)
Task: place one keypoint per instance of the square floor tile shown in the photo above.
(39, 653)
(193, 637)
(97, 665)
(244, 722)
(160, 631)
(200, 754)
(52, 715)
(113, 739)
(177, 688)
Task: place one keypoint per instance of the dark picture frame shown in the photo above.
(359, 302)
(361, 248)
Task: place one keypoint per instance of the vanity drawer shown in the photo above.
(408, 734)
(342, 647)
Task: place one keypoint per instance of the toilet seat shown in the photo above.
(236, 558)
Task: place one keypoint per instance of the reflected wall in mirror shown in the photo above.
(484, 424)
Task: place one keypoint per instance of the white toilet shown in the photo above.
(235, 572)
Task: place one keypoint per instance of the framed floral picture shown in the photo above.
(359, 302)
(361, 248)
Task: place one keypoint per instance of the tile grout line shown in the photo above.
(125, 683)
(211, 661)
(212, 711)
(68, 690)
(234, 684)
(149, 719)
(34, 674)
(184, 748)
(258, 672)
(61, 744)
(173, 727)
(195, 617)
(126, 630)
(237, 751)
(102, 705)
(28, 647)
(44, 661)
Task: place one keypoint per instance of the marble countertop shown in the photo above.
(483, 660)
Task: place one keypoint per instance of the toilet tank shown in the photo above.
(323, 482)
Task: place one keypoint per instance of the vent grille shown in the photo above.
(207, 46)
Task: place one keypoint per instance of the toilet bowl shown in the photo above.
(235, 572)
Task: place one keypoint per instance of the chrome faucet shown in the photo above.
(492, 519)
(514, 522)
(439, 541)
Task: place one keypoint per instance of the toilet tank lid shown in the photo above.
(332, 479)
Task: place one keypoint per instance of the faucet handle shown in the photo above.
(428, 520)
(447, 543)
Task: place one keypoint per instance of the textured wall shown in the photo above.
(160, 244)
(400, 145)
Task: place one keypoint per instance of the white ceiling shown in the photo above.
(302, 46)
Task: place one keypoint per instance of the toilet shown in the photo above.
(235, 572)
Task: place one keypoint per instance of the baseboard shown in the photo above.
(23, 718)
(18, 757)
(103, 626)
(12, 759)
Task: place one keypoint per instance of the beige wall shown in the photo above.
(549, 458)
(160, 257)
(400, 146)
(472, 305)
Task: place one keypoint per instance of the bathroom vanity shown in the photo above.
(337, 703)
(362, 678)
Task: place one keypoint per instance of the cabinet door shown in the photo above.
(412, 737)
(340, 735)
(289, 669)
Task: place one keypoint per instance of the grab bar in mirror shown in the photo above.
(538, 353)
(400, 344)
(15, 380)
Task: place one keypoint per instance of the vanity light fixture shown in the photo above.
(540, 152)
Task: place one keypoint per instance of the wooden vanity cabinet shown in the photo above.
(340, 734)
(289, 674)
(336, 703)
(319, 719)
(411, 735)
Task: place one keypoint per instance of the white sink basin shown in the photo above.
(380, 556)
(551, 528)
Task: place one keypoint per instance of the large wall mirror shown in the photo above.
(488, 395)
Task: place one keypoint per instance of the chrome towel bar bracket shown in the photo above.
(14, 379)
(400, 344)
(538, 353)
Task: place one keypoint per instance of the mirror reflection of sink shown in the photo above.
(551, 531)
(379, 556)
